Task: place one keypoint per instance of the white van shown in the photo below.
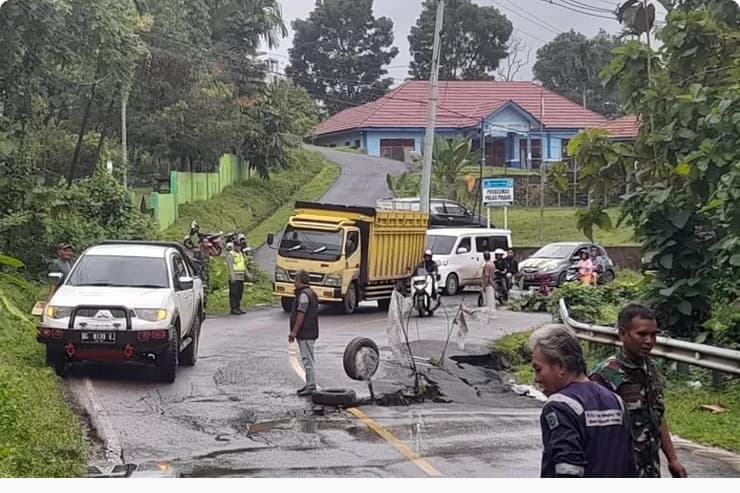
(459, 253)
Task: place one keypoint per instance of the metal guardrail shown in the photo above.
(706, 356)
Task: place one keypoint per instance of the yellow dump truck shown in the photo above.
(351, 253)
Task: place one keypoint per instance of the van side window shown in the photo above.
(498, 242)
(482, 244)
(465, 243)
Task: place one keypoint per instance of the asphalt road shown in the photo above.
(236, 412)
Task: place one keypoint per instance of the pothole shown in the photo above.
(490, 361)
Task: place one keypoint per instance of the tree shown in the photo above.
(570, 65)
(451, 156)
(474, 41)
(339, 51)
(684, 203)
(520, 54)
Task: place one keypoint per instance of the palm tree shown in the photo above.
(450, 158)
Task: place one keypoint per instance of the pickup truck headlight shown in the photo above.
(281, 275)
(57, 312)
(151, 315)
(333, 280)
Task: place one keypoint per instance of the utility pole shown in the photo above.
(426, 173)
(124, 148)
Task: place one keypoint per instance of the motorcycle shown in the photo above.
(422, 286)
(210, 243)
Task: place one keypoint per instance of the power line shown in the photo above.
(579, 11)
(528, 17)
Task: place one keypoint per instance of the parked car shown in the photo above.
(443, 213)
(131, 301)
(555, 260)
(459, 253)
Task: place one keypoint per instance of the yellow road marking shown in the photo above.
(404, 449)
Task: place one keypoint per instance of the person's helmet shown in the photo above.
(427, 253)
(498, 252)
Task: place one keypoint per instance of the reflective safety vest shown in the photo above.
(239, 264)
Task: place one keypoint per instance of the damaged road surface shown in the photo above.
(236, 412)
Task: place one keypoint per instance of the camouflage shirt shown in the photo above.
(640, 385)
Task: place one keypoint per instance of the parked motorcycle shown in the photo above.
(422, 288)
(210, 243)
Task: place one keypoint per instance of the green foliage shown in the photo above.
(530, 301)
(39, 435)
(570, 64)
(474, 41)
(450, 158)
(339, 52)
(515, 347)
(684, 175)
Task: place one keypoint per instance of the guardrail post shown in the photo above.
(683, 368)
(718, 379)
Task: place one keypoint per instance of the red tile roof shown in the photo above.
(624, 127)
(461, 105)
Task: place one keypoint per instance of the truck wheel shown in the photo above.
(56, 359)
(287, 304)
(167, 360)
(350, 300)
(452, 285)
(335, 397)
(361, 358)
(189, 355)
(384, 304)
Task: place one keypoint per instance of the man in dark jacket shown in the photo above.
(586, 429)
(304, 327)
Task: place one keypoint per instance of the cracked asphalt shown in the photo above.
(236, 414)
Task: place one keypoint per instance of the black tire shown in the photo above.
(384, 304)
(189, 355)
(287, 304)
(606, 277)
(56, 359)
(350, 356)
(419, 304)
(562, 277)
(335, 397)
(167, 360)
(349, 305)
(452, 285)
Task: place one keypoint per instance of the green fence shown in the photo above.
(188, 187)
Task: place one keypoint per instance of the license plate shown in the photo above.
(99, 337)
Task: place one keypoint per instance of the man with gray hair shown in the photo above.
(304, 327)
(585, 428)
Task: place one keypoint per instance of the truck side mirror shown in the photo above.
(184, 283)
(55, 277)
(270, 239)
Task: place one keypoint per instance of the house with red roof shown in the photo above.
(523, 124)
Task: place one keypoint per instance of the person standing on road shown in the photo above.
(304, 328)
(487, 281)
(62, 265)
(635, 377)
(585, 427)
(237, 266)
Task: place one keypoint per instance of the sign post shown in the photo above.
(498, 192)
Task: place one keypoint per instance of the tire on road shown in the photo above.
(335, 397)
(56, 359)
(189, 355)
(452, 285)
(167, 360)
(362, 369)
(287, 304)
(349, 304)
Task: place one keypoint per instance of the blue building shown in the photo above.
(524, 124)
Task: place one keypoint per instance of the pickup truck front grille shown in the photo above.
(91, 312)
(316, 277)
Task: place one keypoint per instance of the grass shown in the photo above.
(684, 413)
(40, 436)
(268, 206)
(560, 225)
(353, 150)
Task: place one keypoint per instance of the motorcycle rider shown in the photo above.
(512, 268)
(431, 267)
(501, 270)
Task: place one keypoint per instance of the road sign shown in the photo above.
(498, 191)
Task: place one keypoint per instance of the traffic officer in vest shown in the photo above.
(304, 327)
(237, 266)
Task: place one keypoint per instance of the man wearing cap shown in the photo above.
(62, 265)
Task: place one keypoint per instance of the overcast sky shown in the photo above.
(536, 21)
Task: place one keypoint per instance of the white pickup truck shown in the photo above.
(137, 301)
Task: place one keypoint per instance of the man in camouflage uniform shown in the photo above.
(638, 381)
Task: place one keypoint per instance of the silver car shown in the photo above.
(552, 263)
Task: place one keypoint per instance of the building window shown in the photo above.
(357, 144)
(564, 148)
(346, 143)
